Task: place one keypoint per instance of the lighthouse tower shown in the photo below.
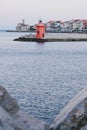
(40, 30)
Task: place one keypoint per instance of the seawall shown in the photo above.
(54, 37)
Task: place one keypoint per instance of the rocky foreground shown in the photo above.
(12, 118)
(72, 117)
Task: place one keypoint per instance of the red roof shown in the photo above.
(84, 22)
(76, 20)
(50, 21)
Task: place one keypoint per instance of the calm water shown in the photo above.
(42, 77)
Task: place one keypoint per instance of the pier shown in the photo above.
(54, 37)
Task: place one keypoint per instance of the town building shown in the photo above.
(77, 24)
(49, 25)
(84, 22)
(22, 27)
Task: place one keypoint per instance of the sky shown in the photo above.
(13, 11)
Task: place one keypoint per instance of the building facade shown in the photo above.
(22, 27)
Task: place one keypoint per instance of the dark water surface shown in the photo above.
(42, 77)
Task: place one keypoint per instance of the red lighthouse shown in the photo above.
(40, 30)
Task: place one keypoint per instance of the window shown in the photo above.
(37, 32)
(43, 35)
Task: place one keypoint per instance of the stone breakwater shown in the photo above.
(72, 117)
(54, 37)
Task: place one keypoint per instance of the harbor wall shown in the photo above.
(54, 37)
(66, 35)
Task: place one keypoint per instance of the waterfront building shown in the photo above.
(84, 22)
(73, 25)
(22, 27)
(77, 24)
(66, 26)
(57, 25)
(49, 25)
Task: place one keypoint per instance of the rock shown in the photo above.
(5, 120)
(7, 102)
(12, 118)
(74, 115)
(22, 121)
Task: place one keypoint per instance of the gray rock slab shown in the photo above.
(12, 118)
(74, 115)
(5, 120)
(7, 102)
(25, 122)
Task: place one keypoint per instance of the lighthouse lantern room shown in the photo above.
(40, 30)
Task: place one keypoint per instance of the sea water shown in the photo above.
(43, 77)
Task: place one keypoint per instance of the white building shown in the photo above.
(77, 24)
(66, 26)
(84, 24)
(22, 27)
(49, 25)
